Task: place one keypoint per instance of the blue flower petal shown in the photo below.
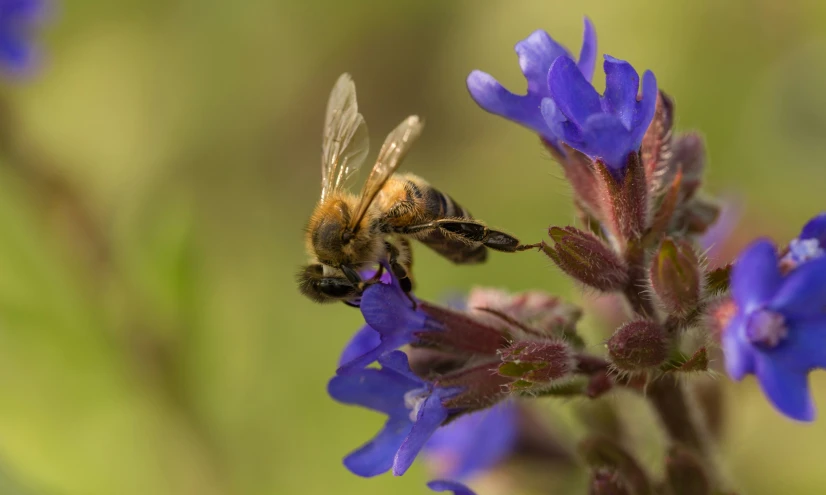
(755, 276)
(815, 229)
(387, 343)
(805, 347)
(447, 486)
(364, 341)
(738, 351)
(376, 456)
(536, 54)
(492, 97)
(381, 390)
(474, 442)
(387, 309)
(621, 86)
(588, 53)
(605, 137)
(431, 415)
(572, 93)
(803, 292)
(398, 363)
(786, 389)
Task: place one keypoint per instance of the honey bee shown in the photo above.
(347, 234)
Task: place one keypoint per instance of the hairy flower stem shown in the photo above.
(667, 393)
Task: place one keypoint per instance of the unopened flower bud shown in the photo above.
(656, 144)
(537, 362)
(606, 482)
(638, 345)
(586, 258)
(685, 474)
(675, 277)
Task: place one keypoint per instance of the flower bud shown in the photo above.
(666, 207)
(586, 258)
(638, 345)
(685, 474)
(607, 482)
(675, 277)
(656, 144)
(537, 362)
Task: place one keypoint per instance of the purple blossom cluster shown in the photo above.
(454, 384)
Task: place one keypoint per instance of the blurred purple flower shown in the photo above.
(608, 127)
(809, 244)
(473, 443)
(413, 407)
(449, 486)
(18, 18)
(536, 54)
(778, 331)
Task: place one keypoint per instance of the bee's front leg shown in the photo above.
(401, 273)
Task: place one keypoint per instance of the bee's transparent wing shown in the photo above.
(346, 142)
(392, 153)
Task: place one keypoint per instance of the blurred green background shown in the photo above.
(158, 170)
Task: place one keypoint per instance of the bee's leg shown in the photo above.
(401, 273)
(474, 231)
(376, 276)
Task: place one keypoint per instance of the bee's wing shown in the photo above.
(392, 152)
(346, 142)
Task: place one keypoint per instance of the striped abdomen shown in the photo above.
(415, 203)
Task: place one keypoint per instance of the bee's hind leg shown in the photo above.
(474, 231)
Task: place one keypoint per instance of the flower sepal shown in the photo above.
(586, 258)
(675, 277)
(639, 345)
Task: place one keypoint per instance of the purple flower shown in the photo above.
(17, 20)
(449, 486)
(473, 443)
(778, 331)
(608, 127)
(809, 244)
(391, 323)
(413, 407)
(536, 54)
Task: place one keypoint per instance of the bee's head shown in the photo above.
(333, 241)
